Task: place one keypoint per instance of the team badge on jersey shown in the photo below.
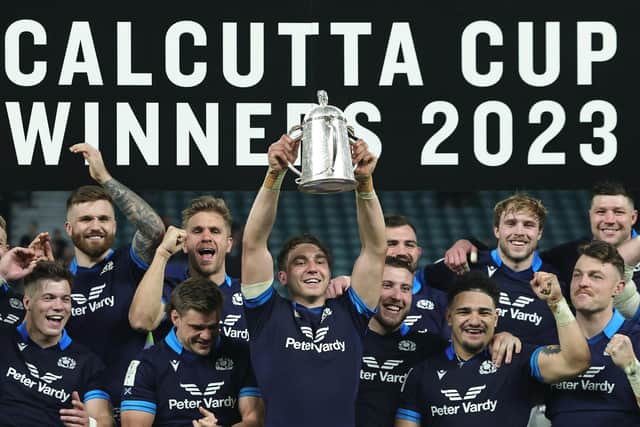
(21, 346)
(236, 298)
(441, 373)
(407, 345)
(107, 267)
(224, 364)
(487, 367)
(425, 304)
(325, 313)
(67, 362)
(15, 303)
(174, 364)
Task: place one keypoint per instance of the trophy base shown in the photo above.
(328, 186)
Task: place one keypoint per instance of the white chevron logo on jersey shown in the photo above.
(520, 302)
(472, 393)
(209, 390)
(10, 319)
(591, 372)
(21, 346)
(387, 365)
(411, 320)
(47, 378)
(490, 270)
(231, 319)
(94, 293)
(320, 333)
(175, 364)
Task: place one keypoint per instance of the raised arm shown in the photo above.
(149, 226)
(630, 251)
(572, 356)
(257, 263)
(367, 270)
(146, 310)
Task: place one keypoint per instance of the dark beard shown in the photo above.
(90, 250)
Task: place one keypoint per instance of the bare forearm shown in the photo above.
(371, 225)
(149, 226)
(146, 307)
(630, 251)
(261, 218)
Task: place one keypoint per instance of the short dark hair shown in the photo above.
(207, 204)
(396, 262)
(294, 241)
(196, 293)
(88, 193)
(395, 220)
(604, 252)
(611, 188)
(473, 281)
(46, 270)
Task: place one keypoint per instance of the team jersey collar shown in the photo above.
(614, 324)
(416, 285)
(65, 340)
(535, 265)
(227, 279)
(451, 353)
(634, 233)
(73, 268)
(174, 343)
(5, 287)
(404, 330)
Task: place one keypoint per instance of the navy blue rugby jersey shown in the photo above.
(443, 392)
(171, 383)
(601, 396)
(307, 361)
(428, 308)
(386, 362)
(11, 308)
(520, 311)
(101, 297)
(232, 322)
(38, 382)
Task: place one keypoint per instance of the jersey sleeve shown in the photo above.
(258, 309)
(249, 384)
(360, 313)
(437, 275)
(411, 397)
(139, 388)
(94, 384)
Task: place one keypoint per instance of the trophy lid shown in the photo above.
(323, 110)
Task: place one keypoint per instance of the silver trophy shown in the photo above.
(326, 152)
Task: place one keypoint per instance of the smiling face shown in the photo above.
(307, 274)
(594, 284)
(402, 243)
(395, 298)
(48, 306)
(612, 217)
(207, 243)
(518, 234)
(473, 318)
(196, 331)
(92, 227)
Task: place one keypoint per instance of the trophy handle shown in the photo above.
(352, 139)
(296, 128)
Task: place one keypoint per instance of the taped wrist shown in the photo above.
(365, 190)
(563, 313)
(628, 301)
(633, 375)
(273, 179)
